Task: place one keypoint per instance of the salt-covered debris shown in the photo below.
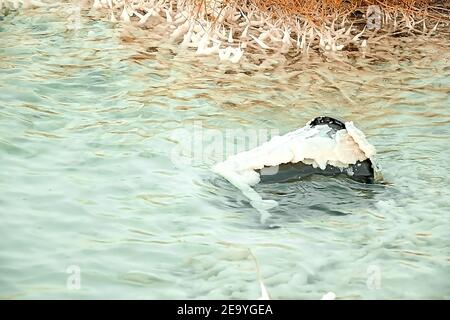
(318, 146)
(227, 28)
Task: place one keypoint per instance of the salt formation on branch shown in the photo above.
(318, 145)
(228, 28)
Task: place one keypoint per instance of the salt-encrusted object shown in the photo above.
(324, 146)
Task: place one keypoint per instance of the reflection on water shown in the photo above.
(88, 179)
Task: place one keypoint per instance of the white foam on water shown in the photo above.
(318, 146)
(329, 296)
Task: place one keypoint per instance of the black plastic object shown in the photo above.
(361, 171)
(331, 122)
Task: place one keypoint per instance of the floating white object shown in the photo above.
(329, 296)
(317, 145)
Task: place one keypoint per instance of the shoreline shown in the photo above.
(231, 29)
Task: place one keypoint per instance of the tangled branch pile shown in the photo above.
(230, 27)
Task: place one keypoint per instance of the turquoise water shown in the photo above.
(106, 142)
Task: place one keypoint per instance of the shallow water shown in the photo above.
(107, 137)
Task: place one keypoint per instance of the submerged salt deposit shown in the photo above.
(318, 146)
